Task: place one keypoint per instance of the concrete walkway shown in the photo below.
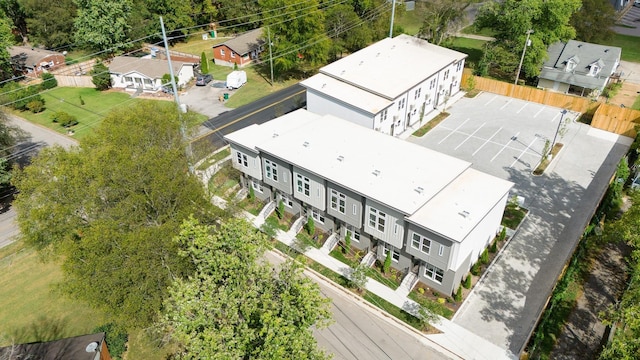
(456, 339)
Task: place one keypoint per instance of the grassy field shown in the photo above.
(629, 45)
(31, 308)
(411, 21)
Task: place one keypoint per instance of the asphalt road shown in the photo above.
(257, 112)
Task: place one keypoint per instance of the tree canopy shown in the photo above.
(439, 17)
(594, 20)
(236, 306)
(50, 23)
(102, 25)
(6, 40)
(110, 209)
(511, 19)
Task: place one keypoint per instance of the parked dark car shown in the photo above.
(203, 79)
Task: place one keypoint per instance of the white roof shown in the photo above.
(392, 66)
(343, 92)
(459, 207)
(396, 173)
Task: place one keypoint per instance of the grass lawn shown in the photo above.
(513, 215)
(214, 159)
(629, 45)
(411, 21)
(28, 299)
(195, 45)
(431, 124)
(395, 311)
(471, 47)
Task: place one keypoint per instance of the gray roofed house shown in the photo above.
(33, 61)
(146, 74)
(84, 347)
(579, 67)
(240, 50)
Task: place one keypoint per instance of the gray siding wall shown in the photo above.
(364, 243)
(433, 257)
(394, 224)
(317, 192)
(284, 182)
(263, 192)
(253, 166)
(353, 202)
(326, 225)
(320, 104)
(404, 264)
(293, 207)
(450, 281)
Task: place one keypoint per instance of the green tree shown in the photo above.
(458, 294)
(511, 19)
(50, 23)
(467, 282)
(100, 76)
(386, 266)
(102, 24)
(347, 242)
(298, 35)
(237, 307)
(439, 17)
(311, 226)
(280, 209)
(345, 29)
(110, 209)
(242, 15)
(6, 41)
(592, 15)
(204, 63)
(14, 10)
(358, 278)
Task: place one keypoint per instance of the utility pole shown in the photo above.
(562, 113)
(526, 43)
(270, 54)
(393, 13)
(183, 126)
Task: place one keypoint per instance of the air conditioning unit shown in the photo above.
(412, 106)
(395, 117)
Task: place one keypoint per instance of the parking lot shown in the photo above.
(206, 99)
(498, 134)
(505, 137)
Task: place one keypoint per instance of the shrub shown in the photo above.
(311, 226)
(503, 234)
(467, 282)
(35, 106)
(116, 338)
(81, 100)
(387, 262)
(484, 257)
(359, 277)
(494, 247)
(475, 269)
(347, 242)
(48, 81)
(421, 291)
(280, 210)
(204, 65)
(65, 119)
(252, 193)
(458, 295)
(100, 77)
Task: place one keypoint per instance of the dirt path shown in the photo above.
(582, 336)
(627, 94)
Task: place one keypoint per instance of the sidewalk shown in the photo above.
(452, 337)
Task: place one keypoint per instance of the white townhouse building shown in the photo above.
(132, 73)
(387, 86)
(432, 211)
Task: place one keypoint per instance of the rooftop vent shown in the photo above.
(464, 214)
(378, 54)
(275, 135)
(606, 50)
(376, 172)
(323, 85)
(340, 158)
(342, 72)
(580, 45)
(305, 144)
(361, 62)
(419, 189)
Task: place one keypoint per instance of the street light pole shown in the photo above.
(524, 50)
(562, 113)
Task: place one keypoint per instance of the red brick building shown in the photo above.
(241, 50)
(32, 62)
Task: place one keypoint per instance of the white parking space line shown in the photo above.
(522, 108)
(487, 141)
(555, 117)
(489, 102)
(506, 145)
(505, 105)
(453, 131)
(539, 111)
(523, 152)
(469, 136)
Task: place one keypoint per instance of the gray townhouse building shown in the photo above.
(433, 212)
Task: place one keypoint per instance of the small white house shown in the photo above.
(133, 73)
(387, 86)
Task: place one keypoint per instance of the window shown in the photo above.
(256, 186)
(355, 235)
(221, 52)
(377, 219)
(432, 84)
(128, 79)
(421, 243)
(395, 254)
(459, 66)
(401, 104)
(383, 115)
(317, 216)
(433, 272)
(446, 74)
(242, 159)
(417, 94)
(441, 250)
(286, 200)
(233, 55)
(271, 169)
(338, 201)
(303, 184)
(395, 228)
(355, 209)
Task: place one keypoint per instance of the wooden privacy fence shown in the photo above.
(607, 117)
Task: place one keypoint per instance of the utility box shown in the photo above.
(236, 79)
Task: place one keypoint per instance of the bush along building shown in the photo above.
(433, 212)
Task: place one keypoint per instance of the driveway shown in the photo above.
(505, 137)
(206, 100)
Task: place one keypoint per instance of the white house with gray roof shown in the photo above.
(132, 73)
(432, 211)
(387, 86)
(579, 67)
